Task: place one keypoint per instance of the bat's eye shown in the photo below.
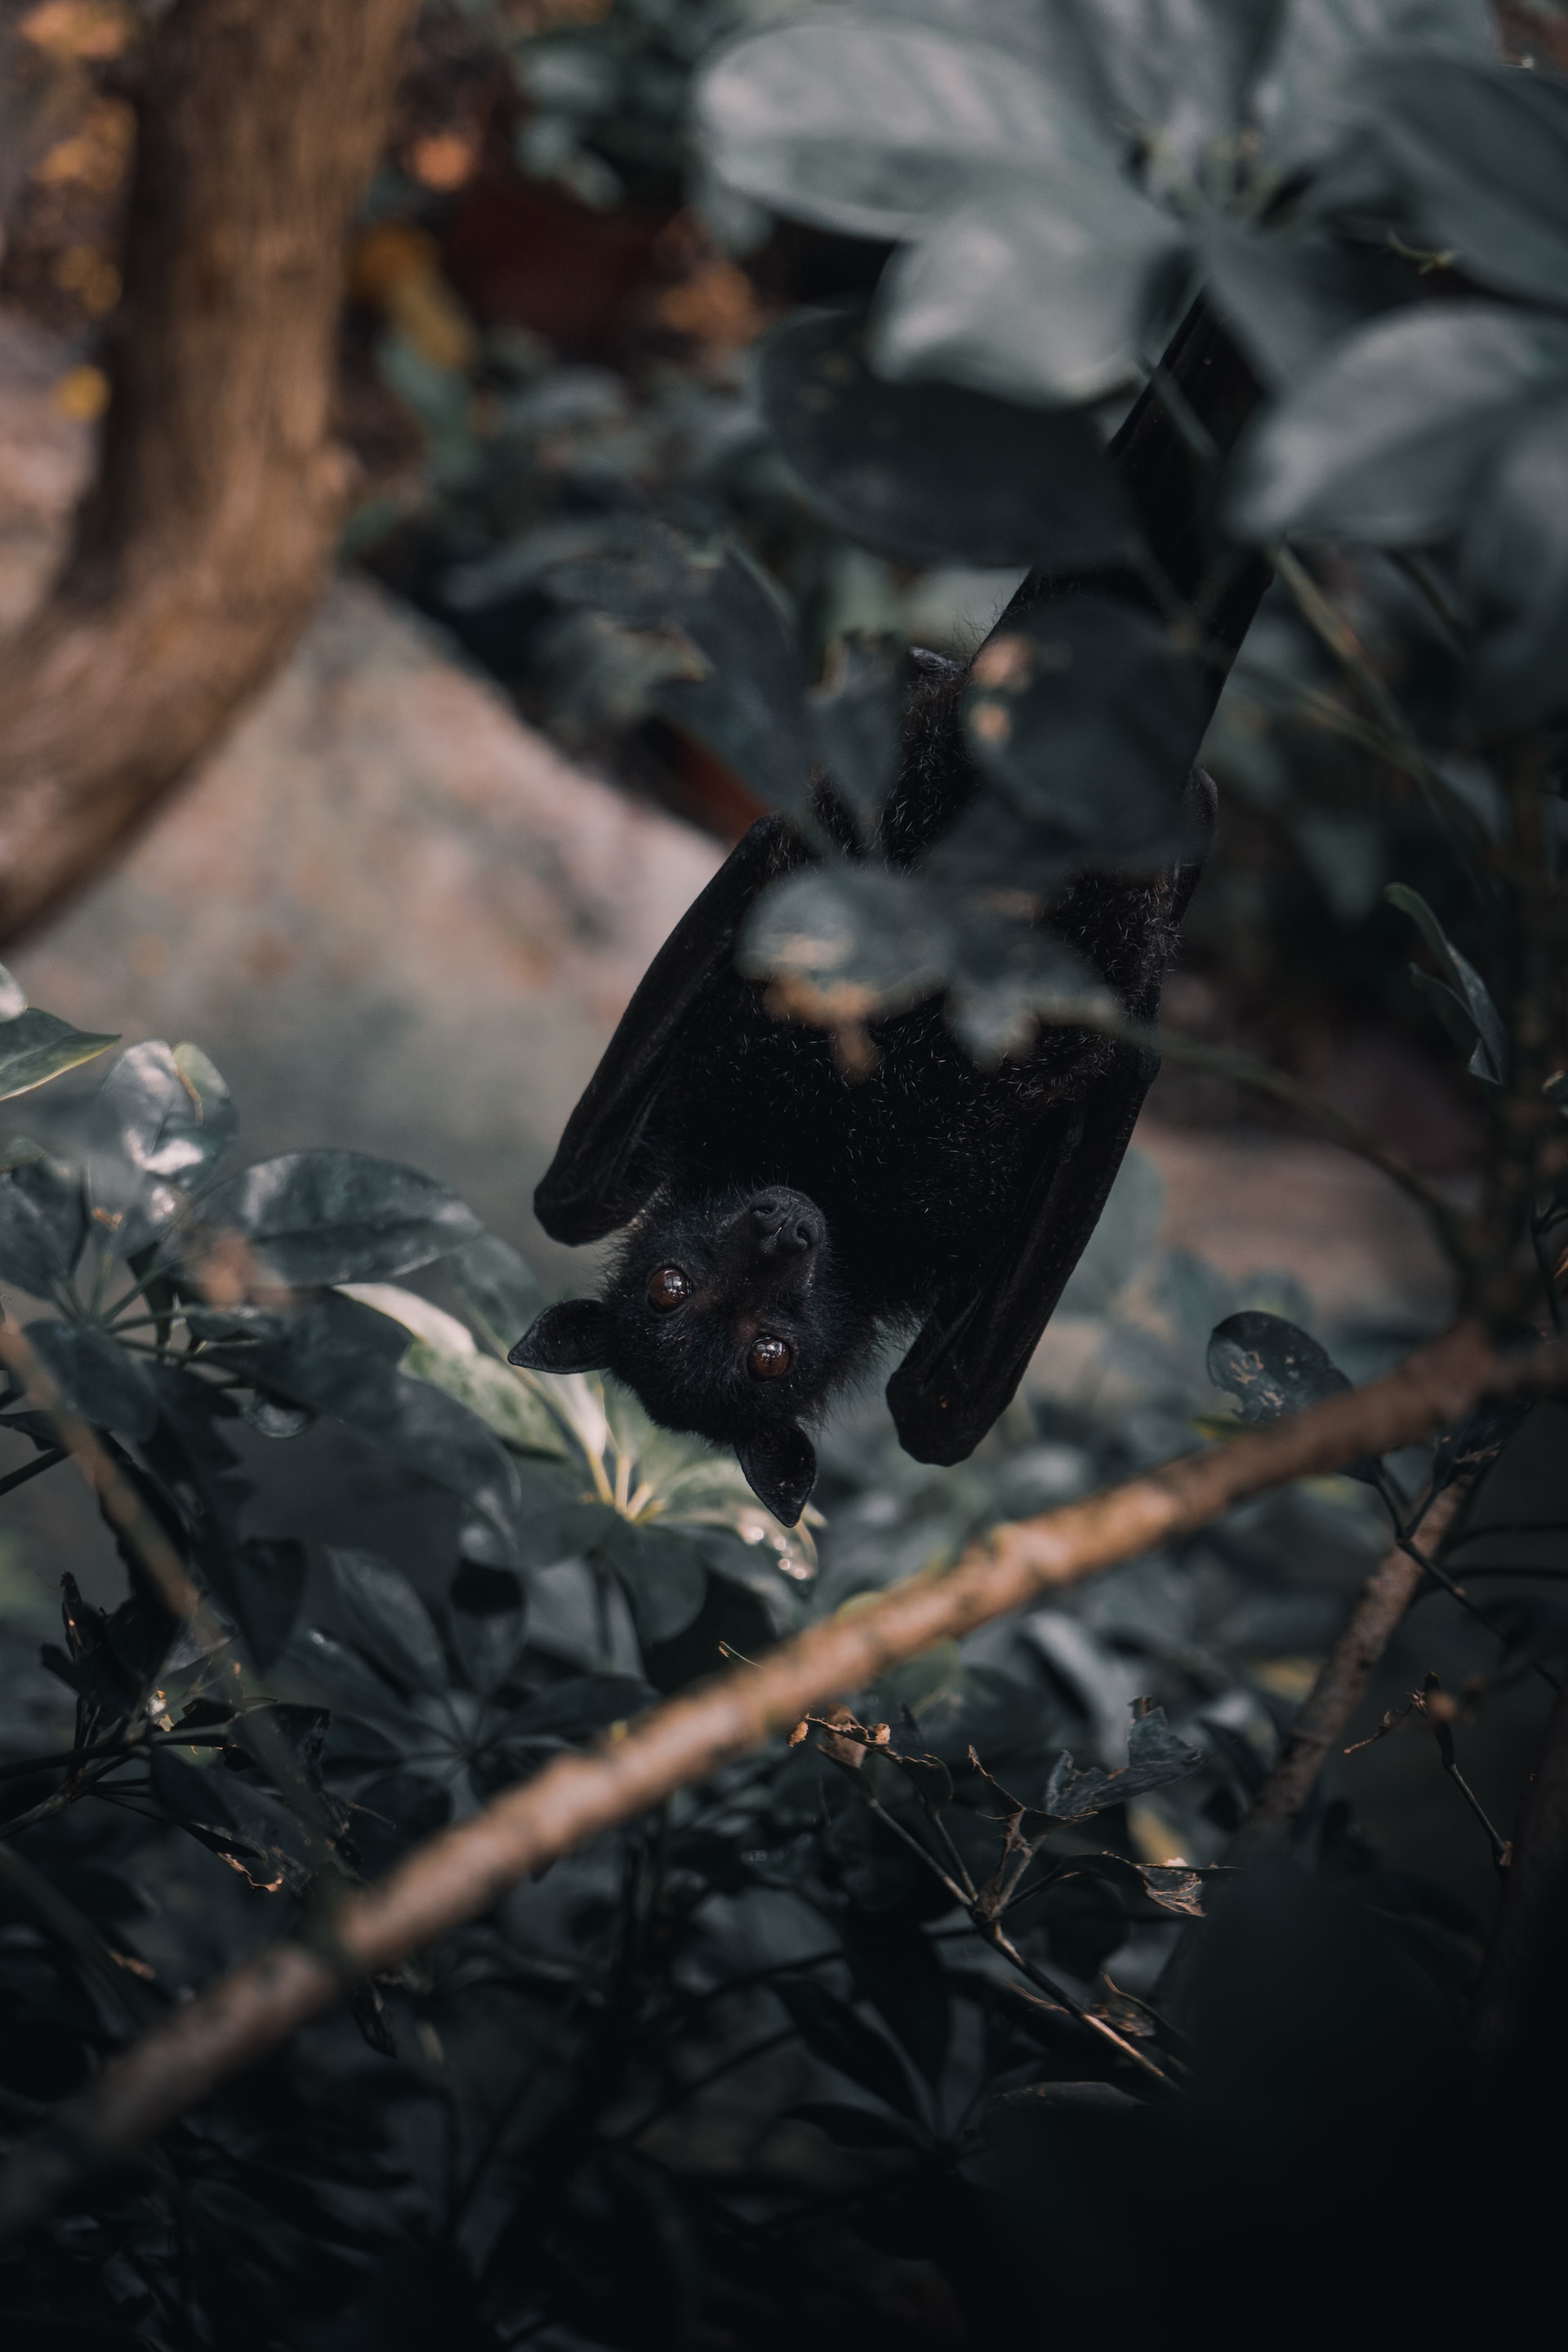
(667, 1287)
(766, 1359)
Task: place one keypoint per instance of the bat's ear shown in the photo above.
(781, 1469)
(572, 1338)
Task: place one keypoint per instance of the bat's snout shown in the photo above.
(781, 1223)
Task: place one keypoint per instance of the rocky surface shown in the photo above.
(394, 918)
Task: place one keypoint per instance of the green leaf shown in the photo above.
(1155, 1757)
(43, 1224)
(1312, 91)
(261, 1583)
(1086, 718)
(159, 1121)
(1270, 1366)
(36, 1047)
(859, 941)
(859, 716)
(1286, 298)
(571, 1710)
(339, 1677)
(490, 1623)
(1461, 998)
(502, 1400)
(498, 1287)
(376, 1608)
(1483, 148)
(1514, 568)
(323, 1216)
(96, 1377)
(750, 707)
(663, 1575)
(867, 940)
(897, 1970)
(1036, 291)
(337, 1357)
(831, 2032)
(929, 1778)
(871, 127)
(933, 474)
(1384, 441)
(1006, 977)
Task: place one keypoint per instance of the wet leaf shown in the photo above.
(1270, 1366)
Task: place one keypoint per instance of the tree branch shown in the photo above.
(460, 1874)
(205, 541)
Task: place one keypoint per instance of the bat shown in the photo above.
(779, 1215)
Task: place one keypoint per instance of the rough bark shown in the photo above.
(204, 541)
(462, 1872)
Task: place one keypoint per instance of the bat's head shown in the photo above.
(726, 1316)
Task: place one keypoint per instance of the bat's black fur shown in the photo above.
(779, 1214)
(899, 1184)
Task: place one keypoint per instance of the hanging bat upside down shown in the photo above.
(780, 1215)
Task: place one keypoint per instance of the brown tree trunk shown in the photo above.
(206, 536)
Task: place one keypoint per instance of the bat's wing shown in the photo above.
(964, 1367)
(604, 1168)
(968, 1358)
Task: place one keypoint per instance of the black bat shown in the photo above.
(780, 1214)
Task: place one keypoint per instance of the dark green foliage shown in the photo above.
(845, 2043)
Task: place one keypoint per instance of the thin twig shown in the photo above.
(45, 1460)
(1441, 1578)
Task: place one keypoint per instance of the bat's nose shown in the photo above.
(782, 1225)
